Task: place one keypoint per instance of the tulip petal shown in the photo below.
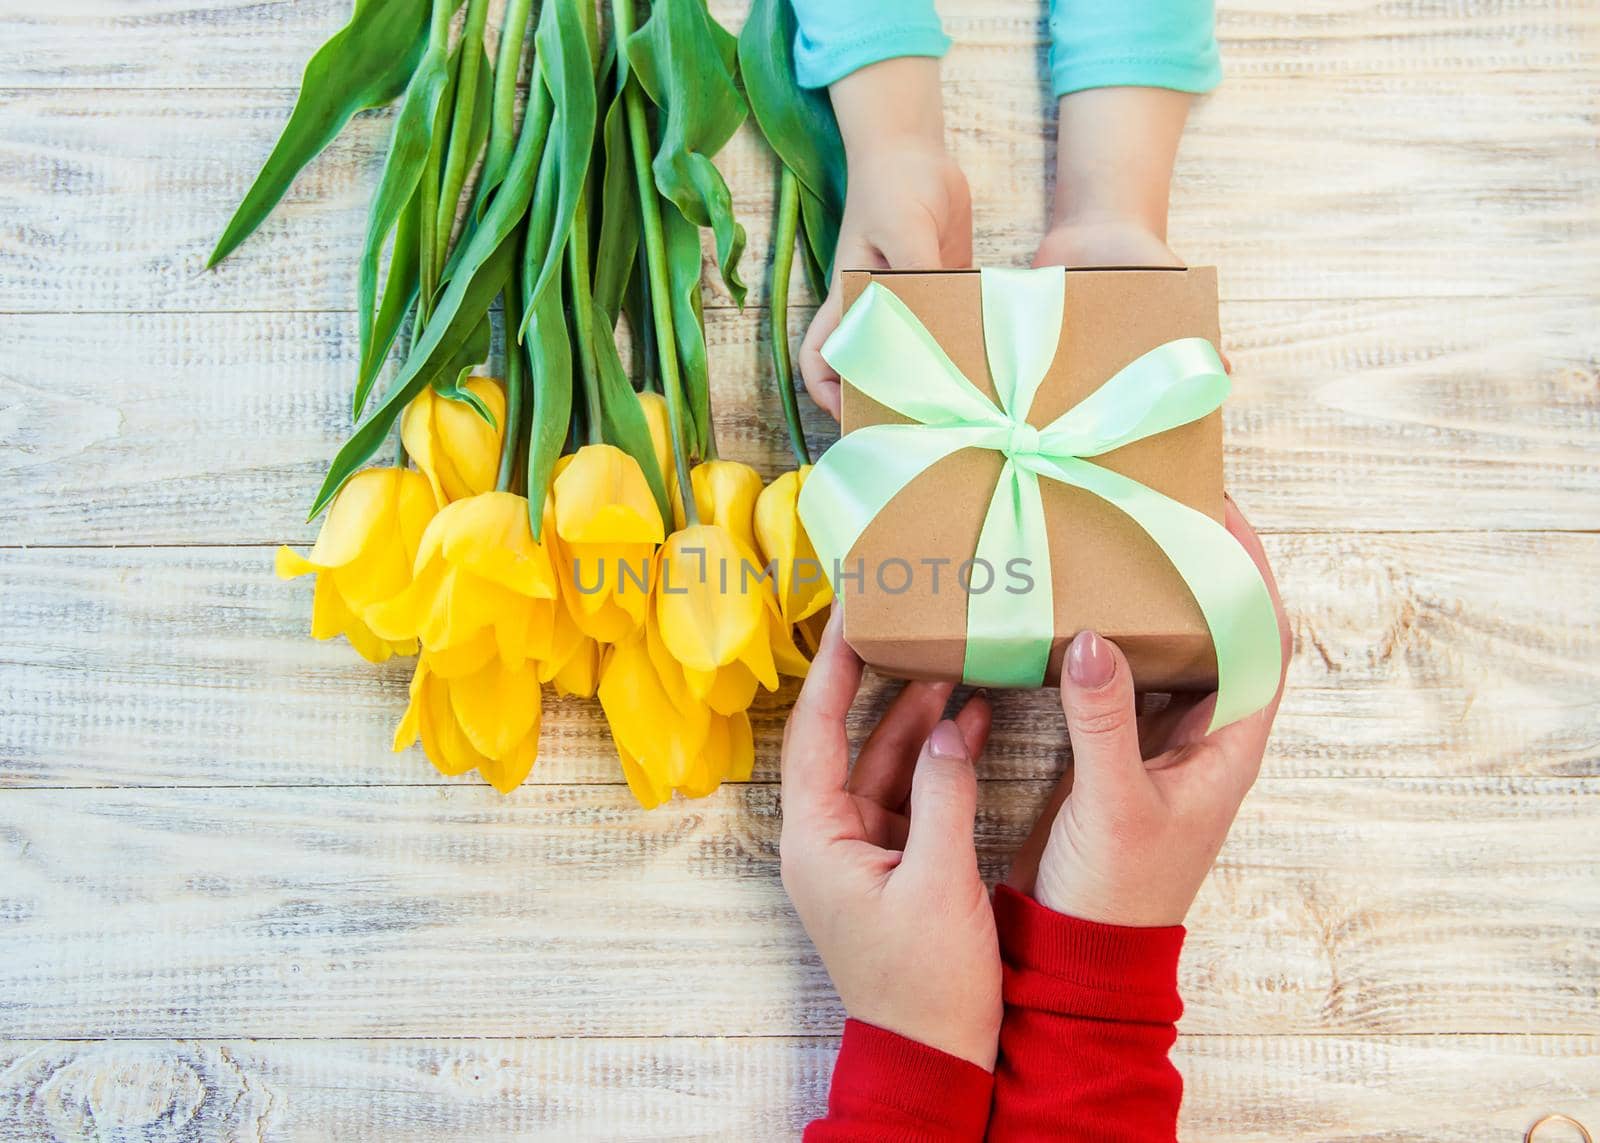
(442, 740)
(601, 496)
(496, 708)
(706, 620)
(648, 789)
(465, 658)
(290, 564)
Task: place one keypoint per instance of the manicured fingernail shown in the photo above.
(946, 741)
(982, 693)
(1089, 661)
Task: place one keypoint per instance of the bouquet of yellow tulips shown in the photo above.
(568, 524)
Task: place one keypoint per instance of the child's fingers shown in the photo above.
(822, 380)
(912, 248)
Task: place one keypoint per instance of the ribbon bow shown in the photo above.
(886, 353)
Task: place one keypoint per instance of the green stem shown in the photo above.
(456, 158)
(656, 262)
(515, 383)
(503, 113)
(787, 227)
(583, 317)
(428, 284)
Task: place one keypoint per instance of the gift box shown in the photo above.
(1067, 419)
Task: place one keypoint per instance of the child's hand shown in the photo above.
(1104, 242)
(1115, 148)
(879, 860)
(907, 207)
(1128, 838)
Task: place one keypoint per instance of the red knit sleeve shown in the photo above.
(1090, 1017)
(888, 1089)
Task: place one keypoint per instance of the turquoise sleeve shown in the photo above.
(1133, 43)
(1094, 43)
(837, 37)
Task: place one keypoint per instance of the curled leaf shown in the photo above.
(685, 62)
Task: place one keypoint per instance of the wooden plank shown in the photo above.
(172, 44)
(1238, 1089)
(114, 206)
(191, 667)
(217, 428)
(1365, 906)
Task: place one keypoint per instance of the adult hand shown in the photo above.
(907, 206)
(1132, 830)
(879, 859)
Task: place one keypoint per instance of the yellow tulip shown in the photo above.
(607, 527)
(454, 447)
(666, 738)
(481, 587)
(655, 415)
(716, 616)
(363, 556)
(725, 493)
(802, 588)
(486, 721)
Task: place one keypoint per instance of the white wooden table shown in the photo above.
(228, 912)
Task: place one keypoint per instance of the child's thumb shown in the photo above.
(944, 799)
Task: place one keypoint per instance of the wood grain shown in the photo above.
(204, 834)
(1357, 906)
(1238, 1089)
(130, 44)
(112, 204)
(216, 428)
(191, 666)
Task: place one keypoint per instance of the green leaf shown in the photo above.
(450, 382)
(685, 62)
(469, 122)
(409, 146)
(485, 265)
(797, 123)
(622, 419)
(682, 240)
(819, 230)
(785, 223)
(567, 71)
(618, 238)
(364, 64)
(399, 293)
(550, 368)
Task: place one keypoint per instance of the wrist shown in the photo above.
(890, 105)
(1115, 149)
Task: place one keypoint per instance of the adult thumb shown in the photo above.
(1097, 698)
(944, 799)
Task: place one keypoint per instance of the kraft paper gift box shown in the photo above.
(1108, 574)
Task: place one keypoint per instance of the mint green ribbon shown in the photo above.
(885, 352)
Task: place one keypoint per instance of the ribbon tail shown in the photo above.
(1009, 631)
(853, 481)
(1220, 574)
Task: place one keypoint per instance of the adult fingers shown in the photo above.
(944, 802)
(816, 750)
(1097, 698)
(883, 768)
(1025, 863)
